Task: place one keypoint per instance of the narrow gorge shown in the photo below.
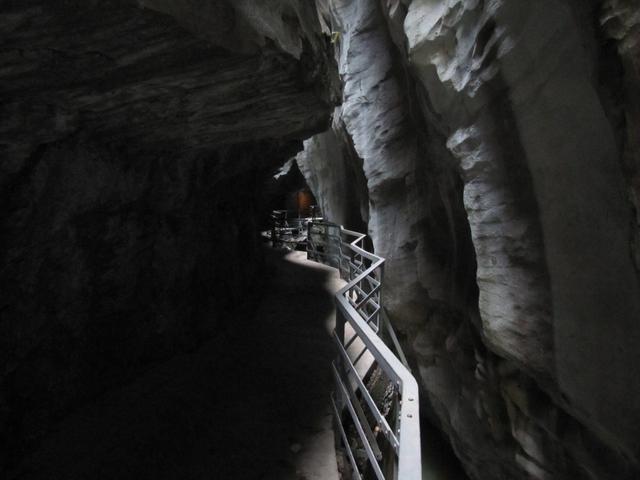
(489, 148)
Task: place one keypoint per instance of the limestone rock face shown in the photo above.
(499, 148)
(334, 171)
(134, 139)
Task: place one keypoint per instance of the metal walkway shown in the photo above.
(252, 404)
(387, 426)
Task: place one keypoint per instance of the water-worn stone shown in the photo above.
(505, 127)
(334, 171)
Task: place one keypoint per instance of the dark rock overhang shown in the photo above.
(147, 80)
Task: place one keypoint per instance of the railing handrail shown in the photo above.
(406, 440)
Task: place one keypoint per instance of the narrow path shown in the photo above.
(252, 404)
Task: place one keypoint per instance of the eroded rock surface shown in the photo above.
(135, 137)
(338, 178)
(498, 144)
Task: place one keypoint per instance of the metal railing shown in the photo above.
(287, 230)
(389, 429)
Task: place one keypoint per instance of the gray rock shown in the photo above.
(133, 140)
(498, 145)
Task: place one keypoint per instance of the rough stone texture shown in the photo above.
(620, 20)
(499, 144)
(134, 138)
(334, 172)
(406, 195)
(98, 69)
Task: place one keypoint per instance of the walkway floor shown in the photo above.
(251, 404)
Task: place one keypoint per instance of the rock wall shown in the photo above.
(334, 171)
(620, 20)
(135, 139)
(497, 142)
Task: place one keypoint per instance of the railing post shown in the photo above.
(380, 292)
(279, 219)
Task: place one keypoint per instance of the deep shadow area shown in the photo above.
(438, 460)
(250, 404)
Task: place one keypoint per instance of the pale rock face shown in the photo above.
(514, 297)
(334, 173)
(513, 124)
(565, 144)
(376, 116)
